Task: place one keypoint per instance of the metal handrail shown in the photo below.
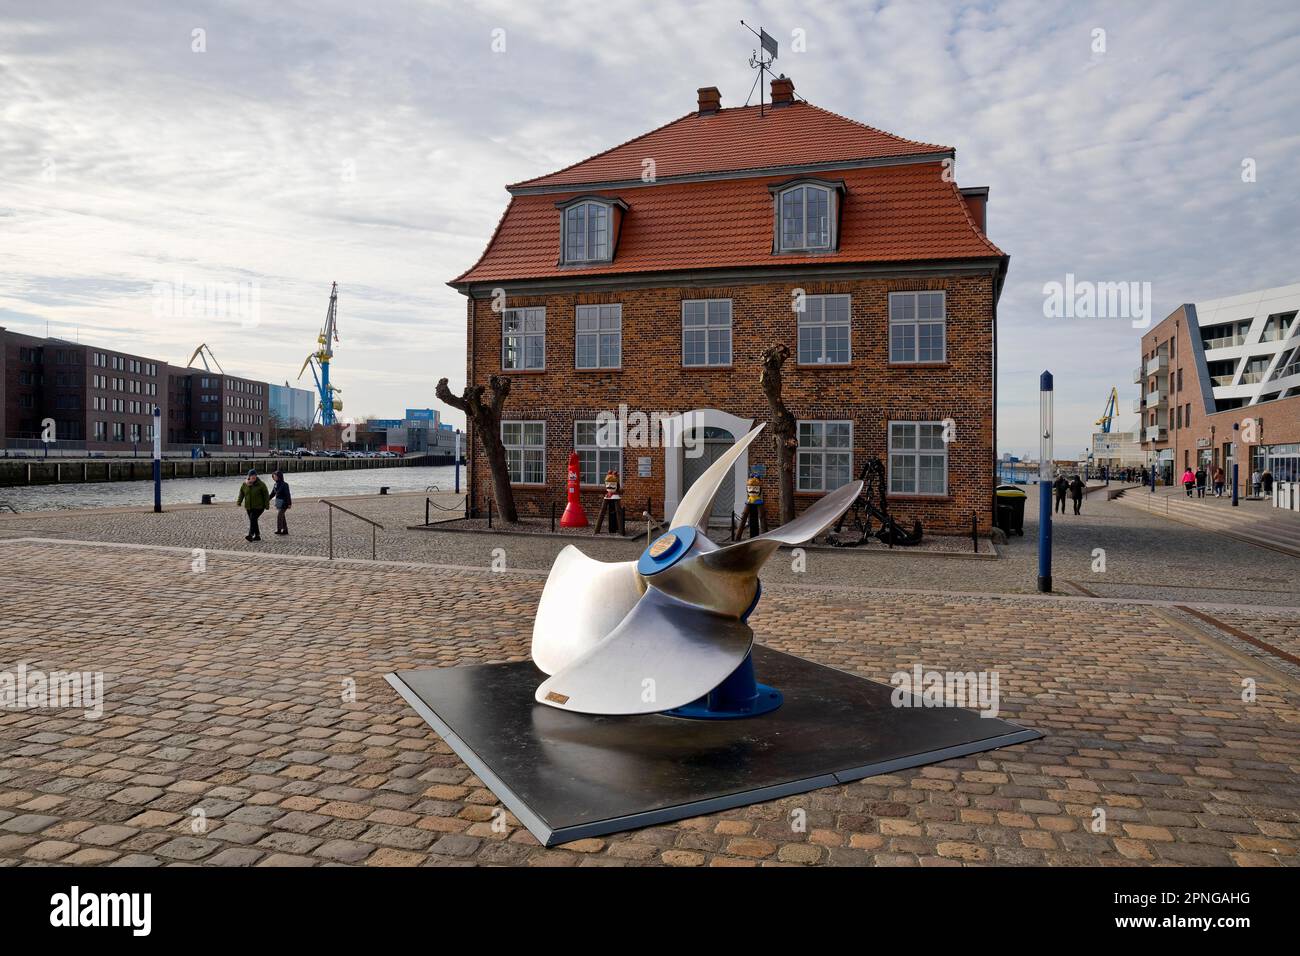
(373, 526)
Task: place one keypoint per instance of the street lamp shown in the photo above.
(1045, 482)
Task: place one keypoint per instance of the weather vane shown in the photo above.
(761, 60)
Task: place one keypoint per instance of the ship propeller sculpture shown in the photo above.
(667, 632)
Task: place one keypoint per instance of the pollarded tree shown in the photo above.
(486, 419)
(783, 427)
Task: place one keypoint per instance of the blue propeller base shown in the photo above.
(740, 695)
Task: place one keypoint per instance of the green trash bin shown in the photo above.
(1010, 515)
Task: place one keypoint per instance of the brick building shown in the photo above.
(99, 399)
(651, 277)
(1212, 365)
(102, 400)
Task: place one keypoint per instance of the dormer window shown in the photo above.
(807, 214)
(589, 229)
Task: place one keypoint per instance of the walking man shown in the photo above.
(1060, 486)
(1255, 482)
(253, 498)
(1076, 493)
(282, 500)
(1200, 481)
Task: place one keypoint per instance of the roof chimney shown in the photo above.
(710, 100)
(782, 91)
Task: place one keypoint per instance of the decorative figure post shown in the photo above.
(753, 518)
(574, 516)
(1045, 482)
(611, 504)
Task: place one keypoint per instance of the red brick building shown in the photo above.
(1215, 364)
(651, 277)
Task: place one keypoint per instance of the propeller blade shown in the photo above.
(584, 599)
(698, 501)
(664, 654)
(749, 556)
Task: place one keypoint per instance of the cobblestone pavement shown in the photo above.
(1145, 556)
(230, 735)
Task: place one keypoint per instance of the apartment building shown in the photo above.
(97, 397)
(1213, 365)
(102, 400)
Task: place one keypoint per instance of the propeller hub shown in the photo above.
(666, 550)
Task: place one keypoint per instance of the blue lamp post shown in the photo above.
(157, 459)
(456, 460)
(1045, 482)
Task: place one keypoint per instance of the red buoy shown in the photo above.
(574, 516)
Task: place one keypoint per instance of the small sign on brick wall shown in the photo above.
(643, 467)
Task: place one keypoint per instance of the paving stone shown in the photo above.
(1142, 719)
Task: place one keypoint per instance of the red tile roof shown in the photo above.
(737, 139)
(897, 213)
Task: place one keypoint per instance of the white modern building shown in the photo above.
(1251, 344)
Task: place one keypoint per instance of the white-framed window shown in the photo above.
(825, 457)
(598, 336)
(824, 330)
(917, 322)
(706, 332)
(588, 232)
(596, 443)
(918, 459)
(525, 451)
(523, 339)
(804, 213)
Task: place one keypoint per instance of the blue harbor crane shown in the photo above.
(1111, 412)
(319, 363)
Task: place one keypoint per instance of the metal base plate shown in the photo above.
(570, 776)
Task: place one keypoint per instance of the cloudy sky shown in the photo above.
(289, 145)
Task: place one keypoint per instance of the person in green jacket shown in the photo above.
(253, 498)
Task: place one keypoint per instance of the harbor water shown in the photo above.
(127, 494)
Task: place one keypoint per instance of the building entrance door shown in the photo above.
(701, 447)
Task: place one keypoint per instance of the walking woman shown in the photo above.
(253, 498)
(1189, 481)
(282, 501)
(1218, 481)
